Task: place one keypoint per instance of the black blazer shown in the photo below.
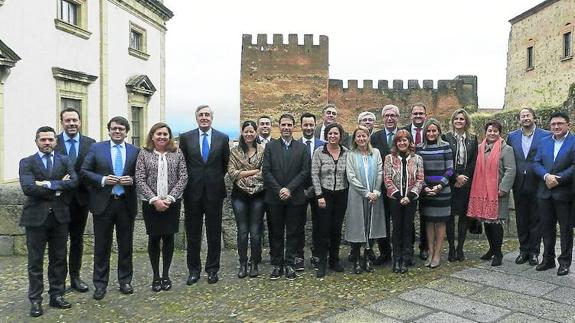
(96, 165)
(378, 140)
(39, 200)
(525, 179)
(205, 176)
(291, 173)
(81, 193)
(471, 144)
(563, 166)
(345, 138)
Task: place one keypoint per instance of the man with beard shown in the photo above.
(285, 169)
(308, 126)
(329, 117)
(75, 146)
(525, 142)
(46, 179)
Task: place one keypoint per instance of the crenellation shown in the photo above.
(262, 40)
(367, 85)
(352, 84)
(307, 40)
(428, 84)
(398, 84)
(336, 84)
(443, 84)
(323, 41)
(413, 85)
(278, 39)
(246, 40)
(382, 85)
(292, 40)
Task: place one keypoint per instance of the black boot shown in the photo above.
(497, 236)
(396, 265)
(488, 233)
(254, 272)
(320, 273)
(243, 272)
(451, 255)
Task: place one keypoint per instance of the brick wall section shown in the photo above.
(548, 82)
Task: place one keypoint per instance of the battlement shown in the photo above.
(278, 41)
(398, 85)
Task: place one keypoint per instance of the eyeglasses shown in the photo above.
(368, 120)
(557, 124)
(120, 129)
(333, 113)
(390, 116)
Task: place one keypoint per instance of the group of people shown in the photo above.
(373, 181)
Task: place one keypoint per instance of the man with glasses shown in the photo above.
(382, 140)
(415, 128)
(366, 119)
(109, 169)
(554, 165)
(329, 117)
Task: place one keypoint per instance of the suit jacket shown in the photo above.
(205, 176)
(98, 163)
(378, 140)
(471, 145)
(40, 200)
(562, 166)
(525, 180)
(345, 138)
(308, 185)
(81, 193)
(290, 173)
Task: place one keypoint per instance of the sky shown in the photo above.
(368, 39)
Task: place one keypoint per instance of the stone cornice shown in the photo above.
(7, 56)
(74, 76)
(158, 8)
(141, 84)
(532, 11)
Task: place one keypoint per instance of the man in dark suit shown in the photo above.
(75, 146)
(525, 142)
(382, 140)
(264, 130)
(329, 116)
(46, 178)
(367, 119)
(418, 115)
(307, 121)
(109, 169)
(554, 165)
(207, 154)
(285, 169)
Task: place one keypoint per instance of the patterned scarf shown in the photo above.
(484, 198)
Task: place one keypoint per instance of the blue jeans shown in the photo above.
(249, 220)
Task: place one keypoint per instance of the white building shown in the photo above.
(103, 57)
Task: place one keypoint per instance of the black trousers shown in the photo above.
(551, 212)
(55, 235)
(402, 238)
(312, 202)
(329, 221)
(284, 220)
(194, 220)
(528, 222)
(384, 243)
(78, 218)
(115, 215)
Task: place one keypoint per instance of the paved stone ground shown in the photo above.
(456, 292)
(481, 293)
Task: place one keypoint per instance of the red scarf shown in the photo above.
(484, 197)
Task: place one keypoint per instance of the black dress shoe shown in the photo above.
(99, 293)
(243, 271)
(290, 273)
(396, 266)
(563, 270)
(277, 272)
(451, 254)
(59, 302)
(497, 261)
(298, 264)
(78, 285)
(487, 256)
(126, 289)
(459, 256)
(423, 254)
(336, 266)
(193, 278)
(166, 283)
(320, 273)
(403, 268)
(545, 264)
(213, 277)
(521, 258)
(36, 309)
(156, 285)
(533, 261)
(254, 272)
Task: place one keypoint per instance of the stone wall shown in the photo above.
(548, 82)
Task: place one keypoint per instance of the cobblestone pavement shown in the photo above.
(481, 293)
(459, 292)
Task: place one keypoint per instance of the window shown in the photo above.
(72, 17)
(69, 12)
(136, 126)
(530, 58)
(567, 45)
(138, 42)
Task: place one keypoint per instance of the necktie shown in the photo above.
(417, 136)
(48, 158)
(461, 155)
(72, 152)
(118, 170)
(389, 139)
(205, 147)
(308, 143)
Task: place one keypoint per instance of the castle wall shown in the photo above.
(542, 27)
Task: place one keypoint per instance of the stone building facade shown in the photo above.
(540, 64)
(277, 77)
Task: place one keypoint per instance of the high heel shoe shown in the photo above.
(156, 285)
